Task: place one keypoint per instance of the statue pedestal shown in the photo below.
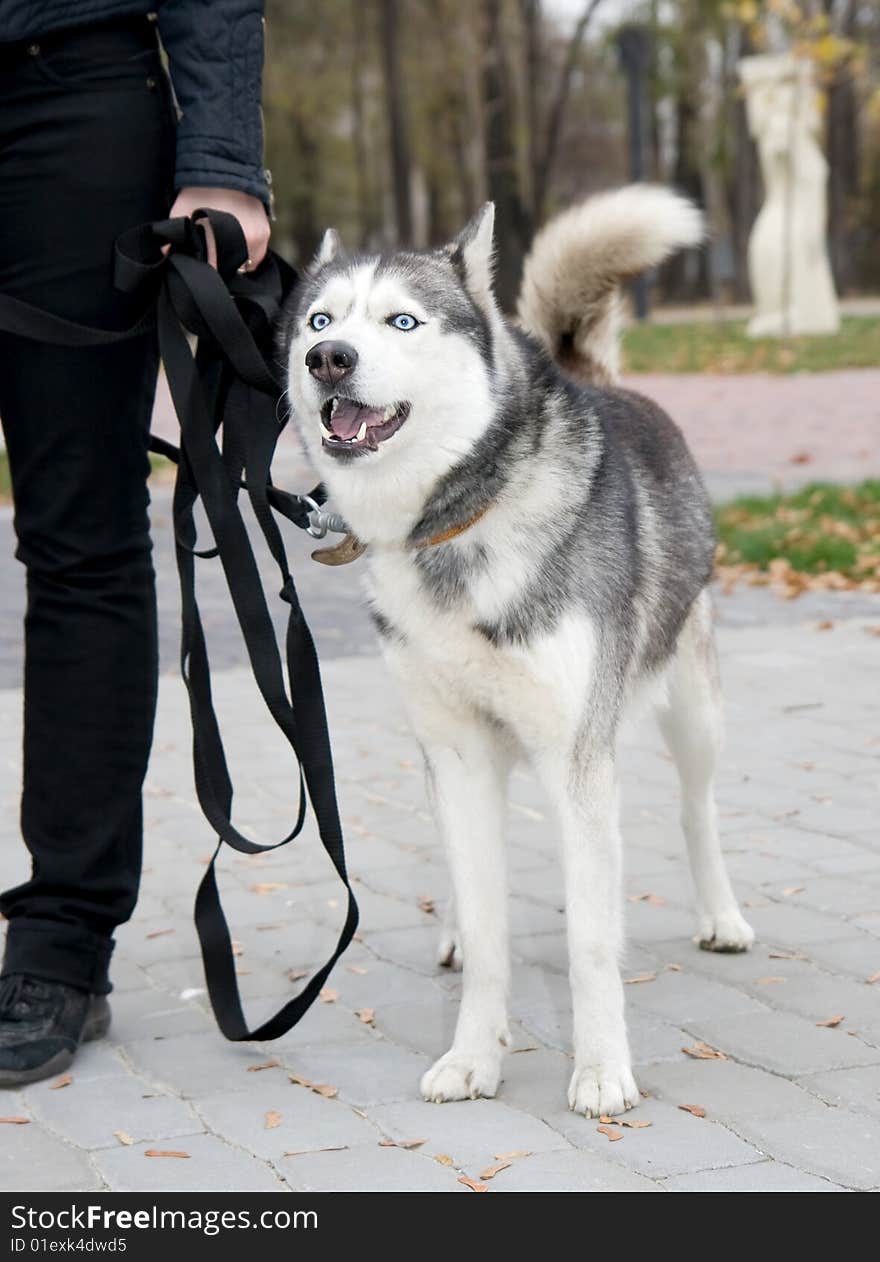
(788, 260)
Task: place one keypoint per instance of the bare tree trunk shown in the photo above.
(842, 143)
(744, 188)
(531, 22)
(366, 207)
(397, 125)
(557, 109)
(513, 226)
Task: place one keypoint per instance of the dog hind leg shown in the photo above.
(692, 727)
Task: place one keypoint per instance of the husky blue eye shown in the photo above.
(403, 322)
(319, 321)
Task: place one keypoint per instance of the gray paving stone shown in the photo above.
(675, 1143)
(383, 1170)
(472, 1132)
(784, 1043)
(309, 1122)
(31, 1159)
(568, 1171)
(212, 1166)
(89, 1111)
(759, 1176)
(857, 1088)
(842, 1145)
(195, 1065)
(380, 1074)
(683, 996)
(727, 1091)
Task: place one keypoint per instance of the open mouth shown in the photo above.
(348, 426)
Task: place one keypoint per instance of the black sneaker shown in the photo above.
(41, 1026)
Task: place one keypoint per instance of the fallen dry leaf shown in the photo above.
(159, 933)
(512, 1156)
(793, 889)
(607, 1119)
(702, 1051)
(124, 1138)
(875, 977)
(165, 1152)
(787, 955)
(401, 1143)
(367, 1015)
(301, 1152)
(831, 1022)
(426, 904)
(673, 968)
(444, 1159)
(491, 1171)
(297, 974)
(324, 1089)
(637, 1123)
(356, 968)
(473, 1184)
(266, 1064)
(696, 1109)
(640, 977)
(64, 1081)
(611, 1132)
(802, 457)
(273, 1119)
(769, 981)
(237, 948)
(827, 625)
(15, 1121)
(268, 887)
(299, 1081)
(328, 996)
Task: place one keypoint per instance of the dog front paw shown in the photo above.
(609, 1089)
(462, 1076)
(728, 932)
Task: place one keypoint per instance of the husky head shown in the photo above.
(390, 365)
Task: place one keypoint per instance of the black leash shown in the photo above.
(230, 382)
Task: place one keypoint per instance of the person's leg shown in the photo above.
(86, 143)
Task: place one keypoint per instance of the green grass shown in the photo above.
(820, 529)
(722, 347)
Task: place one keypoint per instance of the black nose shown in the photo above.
(331, 361)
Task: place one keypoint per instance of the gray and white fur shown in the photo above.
(579, 585)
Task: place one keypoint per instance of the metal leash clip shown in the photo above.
(320, 522)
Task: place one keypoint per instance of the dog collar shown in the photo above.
(350, 547)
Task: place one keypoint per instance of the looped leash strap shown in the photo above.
(230, 382)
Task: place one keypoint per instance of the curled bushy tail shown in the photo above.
(570, 296)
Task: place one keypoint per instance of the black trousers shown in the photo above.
(86, 151)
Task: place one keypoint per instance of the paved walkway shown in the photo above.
(794, 1103)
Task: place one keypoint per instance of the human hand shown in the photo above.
(249, 211)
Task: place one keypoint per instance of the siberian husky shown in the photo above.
(538, 549)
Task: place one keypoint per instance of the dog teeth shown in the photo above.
(333, 406)
(325, 431)
(390, 411)
(362, 432)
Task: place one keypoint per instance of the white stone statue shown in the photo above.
(788, 260)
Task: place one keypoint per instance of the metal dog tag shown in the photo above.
(347, 550)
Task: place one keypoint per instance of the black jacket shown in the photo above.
(215, 56)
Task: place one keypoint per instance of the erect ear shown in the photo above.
(327, 251)
(472, 255)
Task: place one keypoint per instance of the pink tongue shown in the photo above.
(349, 417)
